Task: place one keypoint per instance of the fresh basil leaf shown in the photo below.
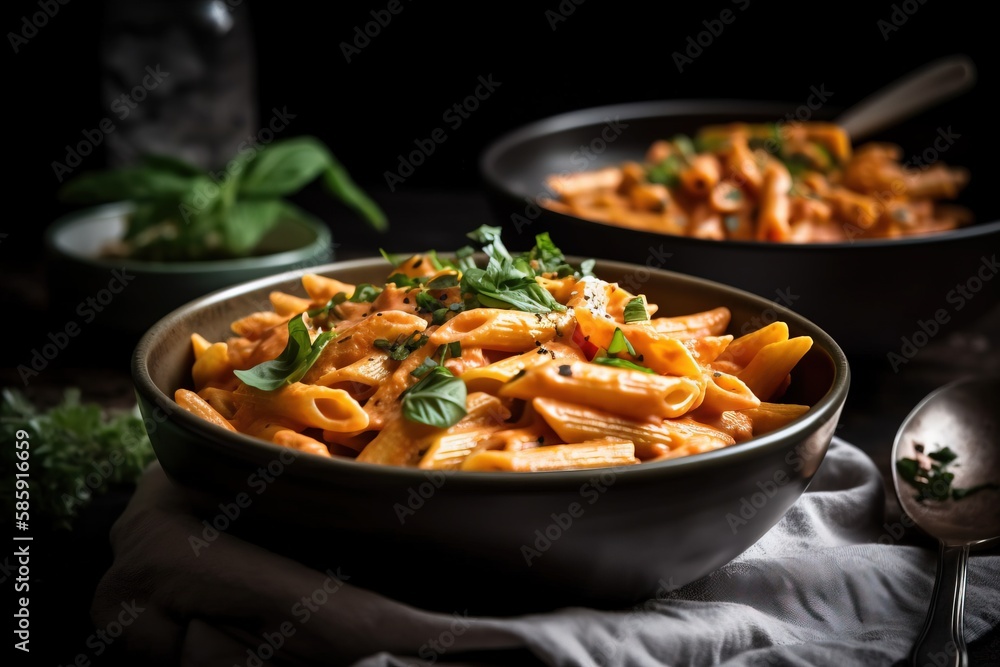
(548, 257)
(464, 260)
(502, 285)
(622, 363)
(395, 260)
(619, 343)
(283, 167)
(248, 222)
(489, 238)
(443, 281)
(339, 182)
(291, 365)
(587, 267)
(170, 164)
(437, 399)
(365, 293)
(635, 311)
(402, 280)
(125, 184)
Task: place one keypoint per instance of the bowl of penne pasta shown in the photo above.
(523, 429)
(856, 237)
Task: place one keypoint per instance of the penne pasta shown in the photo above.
(798, 182)
(528, 365)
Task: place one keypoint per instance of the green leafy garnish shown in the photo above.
(77, 450)
(443, 281)
(365, 293)
(295, 360)
(181, 212)
(437, 399)
(621, 363)
(506, 282)
(403, 345)
(619, 343)
(635, 311)
(935, 483)
(667, 172)
(684, 146)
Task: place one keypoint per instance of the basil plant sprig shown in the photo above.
(181, 212)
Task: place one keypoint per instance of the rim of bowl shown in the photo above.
(576, 119)
(823, 410)
(320, 243)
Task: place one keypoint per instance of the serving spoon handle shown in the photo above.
(942, 641)
(930, 85)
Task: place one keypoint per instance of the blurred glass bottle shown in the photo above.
(179, 78)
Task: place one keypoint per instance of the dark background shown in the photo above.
(429, 57)
(396, 90)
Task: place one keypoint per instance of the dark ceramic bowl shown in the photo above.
(494, 542)
(129, 296)
(875, 297)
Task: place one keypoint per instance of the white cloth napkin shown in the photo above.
(834, 583)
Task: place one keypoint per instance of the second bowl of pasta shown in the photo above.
(521, 427)
(867, 239)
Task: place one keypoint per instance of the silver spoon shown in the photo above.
(932, 84)
(963, 416)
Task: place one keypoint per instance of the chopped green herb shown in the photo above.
(935, 483)
(365, 293)
(402, 280)
(619, 343)
(403, 345)
(635, 311)
(621, 363)
(666, 172)
(443, 282)
(395, 260)
(78, 450)
(684, 145)
(424, 368)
